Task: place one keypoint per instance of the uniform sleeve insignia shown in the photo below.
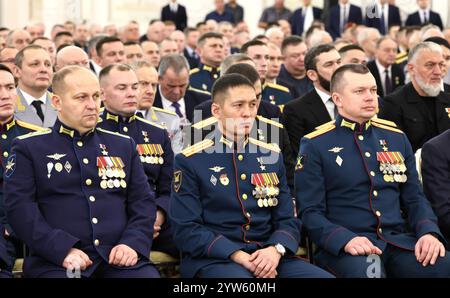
(10, 166)
(177, 179)
(300, 163)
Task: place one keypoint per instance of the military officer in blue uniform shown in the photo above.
(276, 94)
(231, 210)
(120, 84)
(75, 195)
(10, 128)
(210, 48)
(354, 177)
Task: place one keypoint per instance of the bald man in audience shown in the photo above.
(71, 55)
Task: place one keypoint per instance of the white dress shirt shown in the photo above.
(167, 105)
(308, 15)
(29, 99)
(328, 102)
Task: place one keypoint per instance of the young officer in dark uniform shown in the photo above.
(75, 195)
(120, 87)
(10, 128)
(231, 210)
(354, 176)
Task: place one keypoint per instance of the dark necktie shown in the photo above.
(177, 106)
(387, 83)
(344, 19)
(37, 104)
(383, 22)
(425, 19)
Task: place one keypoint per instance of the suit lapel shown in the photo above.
(318, 108)
(158, 101)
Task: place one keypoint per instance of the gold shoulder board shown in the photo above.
(188, 152)
(267, 146)
(320, 132)
(269, 121)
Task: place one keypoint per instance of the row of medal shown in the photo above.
(265, 189)
(111, 170)
(151, 153)
(392, 165)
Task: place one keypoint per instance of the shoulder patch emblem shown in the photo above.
(177, 180)
(10, 166)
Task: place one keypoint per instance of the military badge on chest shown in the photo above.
(266, 190)
(392, 165)
(56, 164)
(111, 171)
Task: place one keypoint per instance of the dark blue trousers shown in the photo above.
(5, 274)
(393, 263)
(288, 268)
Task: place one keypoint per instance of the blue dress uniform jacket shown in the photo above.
(56, 197)
(214, 211)
(4, 258)
(144, 133)
(8, 133)
(203, 77)
(276, 94)
(342, 193)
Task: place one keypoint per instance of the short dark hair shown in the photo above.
(226, 82)
(251, 43)
(189, 30)
(5, 68)
(63, 33)
(201, 41)
(40, 38)
(292, 40)
(336, 79)
(313, 53)
(246, 70)
(130, 43)
(350, 47)
(439, 40)
(105, 40)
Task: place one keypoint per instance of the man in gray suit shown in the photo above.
(34, 73)
(148, 85)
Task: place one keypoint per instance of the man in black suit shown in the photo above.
(435, 170)
(382, 16)
(424, 16)
(303, 18)
(192, 36)
(176, 13)
(389, 76)
(173, 92)
(301, 116)
(420, 108)
(341, 16)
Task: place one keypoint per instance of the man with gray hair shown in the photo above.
(420, 108)
(174, 93)
(368, 41)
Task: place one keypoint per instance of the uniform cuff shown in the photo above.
(284, 238)
(337, 240)
(221, 248)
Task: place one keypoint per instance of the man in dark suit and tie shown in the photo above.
(303, 18)
(382, 16)
(192, 36)
(301, 116)
(341, 15)
(174, 93)
(388, 75)
(176, 13)
(424, 16)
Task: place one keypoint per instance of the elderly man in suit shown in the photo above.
(34, 72)
(421, 109)
(388, 75)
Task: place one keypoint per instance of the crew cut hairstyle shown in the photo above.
(337, 79)
(221, 87)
